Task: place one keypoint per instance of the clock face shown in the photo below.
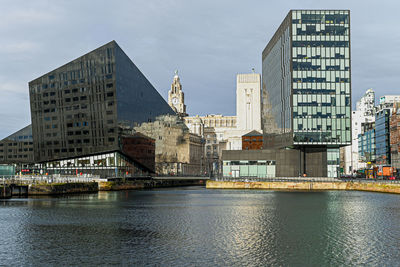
(175, 100)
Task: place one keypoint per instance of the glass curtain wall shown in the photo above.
(321, 77)
(105, 165)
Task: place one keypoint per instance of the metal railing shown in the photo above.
(47, 179)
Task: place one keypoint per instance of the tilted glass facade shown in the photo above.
(82, 107)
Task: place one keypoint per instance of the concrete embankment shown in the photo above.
(145, 184)
(62, 188)
(358, 186)
(91, 187)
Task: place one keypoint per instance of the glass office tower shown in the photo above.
(307, 84)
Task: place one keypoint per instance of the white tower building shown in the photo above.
(248, 101)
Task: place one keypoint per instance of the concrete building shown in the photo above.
(268, 163)
(248, 102)
(81, 110)
(177, 152)
(306, 83)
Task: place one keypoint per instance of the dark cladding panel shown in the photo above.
(138, 101)
(73, 107)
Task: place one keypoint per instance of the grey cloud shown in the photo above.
(208, 41)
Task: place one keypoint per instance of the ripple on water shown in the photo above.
(193, 227)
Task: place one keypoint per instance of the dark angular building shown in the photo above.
(82, 110)
(17, 148)
(306, 87)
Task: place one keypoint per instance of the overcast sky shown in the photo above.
(209, 42)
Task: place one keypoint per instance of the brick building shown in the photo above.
(252, 141)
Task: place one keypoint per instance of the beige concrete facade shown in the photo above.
(248, 102)
(178, 152)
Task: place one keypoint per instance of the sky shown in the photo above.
(208, 42)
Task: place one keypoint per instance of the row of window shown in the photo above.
(248, 162)
(308, 66)
(329, 30)
(321, 80)
(320, 44)
(14, 156)
(15, 144)
(19, 150)
(323, 137)
(78, 124)
(322, 18)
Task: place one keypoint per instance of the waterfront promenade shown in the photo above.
(308, 183)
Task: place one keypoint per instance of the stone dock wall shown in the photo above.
(62, 188)
(358, 186)
(145, 184)
(91, 187)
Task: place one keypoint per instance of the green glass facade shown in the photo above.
(306, 82)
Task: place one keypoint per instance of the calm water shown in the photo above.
(198, 227)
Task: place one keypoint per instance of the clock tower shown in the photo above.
(176, 98)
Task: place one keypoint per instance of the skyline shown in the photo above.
(205, 45)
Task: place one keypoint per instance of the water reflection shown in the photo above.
(194, 226)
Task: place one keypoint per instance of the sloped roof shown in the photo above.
(253, 133)
(25, 134)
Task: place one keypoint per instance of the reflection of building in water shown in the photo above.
(177, 150)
